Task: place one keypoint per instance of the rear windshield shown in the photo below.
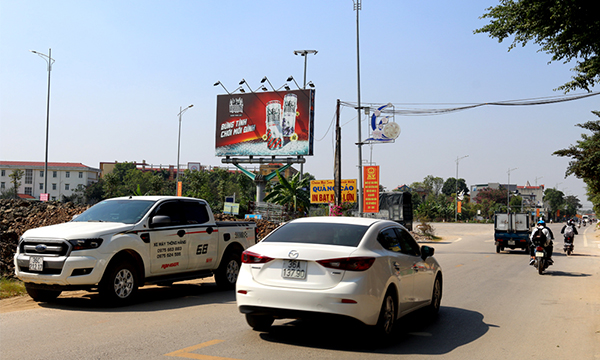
(319, 233)
(123, 211)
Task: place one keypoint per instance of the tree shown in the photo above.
(450, 186)
(585, 160)
(566, 30)
(572, 204)
(16, 177)
(491, 195)
(293, 193)
(555, 199)
(433, 184)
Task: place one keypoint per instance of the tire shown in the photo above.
(227, 273)
(541, 265)
(497, 249)
(387, 317)
(41, 295)
(433, 309)
(259, 322)
(119, 284)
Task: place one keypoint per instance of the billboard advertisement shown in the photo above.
(265, 124)
(322, 191)
(371, 189)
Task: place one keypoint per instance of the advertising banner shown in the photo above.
(371, 192)
(265, 124)
(321, 191)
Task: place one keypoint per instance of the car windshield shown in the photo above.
(319, 233)
(122, 211)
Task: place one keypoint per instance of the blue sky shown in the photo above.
(123, 69)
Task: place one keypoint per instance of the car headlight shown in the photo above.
(85, 244)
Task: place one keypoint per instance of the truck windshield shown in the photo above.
(122, 211)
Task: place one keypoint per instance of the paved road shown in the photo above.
(495, 306)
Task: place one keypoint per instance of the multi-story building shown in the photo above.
(63, 178)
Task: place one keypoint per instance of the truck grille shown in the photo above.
(43, 247)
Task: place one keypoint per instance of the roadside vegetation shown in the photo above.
(11, 287)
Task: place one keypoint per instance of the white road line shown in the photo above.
(457, 240)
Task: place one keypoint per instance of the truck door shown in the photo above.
(203, 236)
(168, 239)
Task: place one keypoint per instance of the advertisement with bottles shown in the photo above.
(265, 124)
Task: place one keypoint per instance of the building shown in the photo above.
(532, 195)
(63, 178)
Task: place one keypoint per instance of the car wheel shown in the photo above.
(227, 273)
(119, 284)
(436, 299)
(387, 316)
(259, 322)
(41, 295)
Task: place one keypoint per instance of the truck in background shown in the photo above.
(512, 230)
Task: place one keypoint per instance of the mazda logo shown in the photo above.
(293, 254)
(40, 248)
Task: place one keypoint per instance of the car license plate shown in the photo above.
(294, 269)
(511, 242)
(36, 263)
(539, 254)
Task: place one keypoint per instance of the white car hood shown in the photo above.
(77, 230)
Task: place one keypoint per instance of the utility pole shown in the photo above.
(337, 168)
(357, 7)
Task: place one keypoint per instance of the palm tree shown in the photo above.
(293, 193)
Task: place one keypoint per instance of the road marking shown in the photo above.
(186, 353)
(457, 240)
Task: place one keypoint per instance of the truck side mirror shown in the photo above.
(160, 220)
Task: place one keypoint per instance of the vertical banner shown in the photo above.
(371, 189)
(179, 188)
(537, 213)
(459, 208)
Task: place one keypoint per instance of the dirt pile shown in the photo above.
(18, 216)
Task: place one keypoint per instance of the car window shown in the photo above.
(319, 233)
(195, 212)
(388, 238)
(408, 244)
(171, 209)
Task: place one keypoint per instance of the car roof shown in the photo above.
(343, 220)
(154, 198)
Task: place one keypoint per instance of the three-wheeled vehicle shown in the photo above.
(511, 230)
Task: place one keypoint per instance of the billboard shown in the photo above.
(265, 124)
(371, 189)
(322, 191)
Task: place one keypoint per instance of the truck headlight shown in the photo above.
(85, 244)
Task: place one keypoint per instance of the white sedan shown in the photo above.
(367, 269)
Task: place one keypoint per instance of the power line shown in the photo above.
(399, 110)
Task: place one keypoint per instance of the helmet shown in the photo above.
(541, 223)
(570, 222)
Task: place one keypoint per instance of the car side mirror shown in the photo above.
(426, 251)
(159, 220)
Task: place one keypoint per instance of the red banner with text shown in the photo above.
(371, 189)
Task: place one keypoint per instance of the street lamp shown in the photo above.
(456, 187)
(48, 58)
(305, 53)
(178, 147)
(508, 191)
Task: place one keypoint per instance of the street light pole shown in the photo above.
(508, 191)
(358, 7)
(305, 54)
(178, 148)
(456, 188)
(48, 58)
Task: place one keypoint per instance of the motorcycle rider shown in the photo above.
(565, 231)
(548, 245)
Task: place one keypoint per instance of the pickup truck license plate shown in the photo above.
(294, 269)
(511, 242)
(36, 263)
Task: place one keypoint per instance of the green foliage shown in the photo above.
(566, 30)
(555, 199)
(293, 193)
(450, 186)
(585, 160)
(16, 177)
(11, 287)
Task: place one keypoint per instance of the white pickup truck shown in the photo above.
(120, 244)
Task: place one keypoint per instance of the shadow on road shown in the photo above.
(153, 298)
(565, 273)
(454, 328)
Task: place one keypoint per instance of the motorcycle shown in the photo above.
(569, 247)
(541, 259)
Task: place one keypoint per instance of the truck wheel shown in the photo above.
(119, 284)
(40, 295)
(227, 273)
(497, 249)
(259, 322)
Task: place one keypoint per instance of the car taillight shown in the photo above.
(350, 263)
(248, 257)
